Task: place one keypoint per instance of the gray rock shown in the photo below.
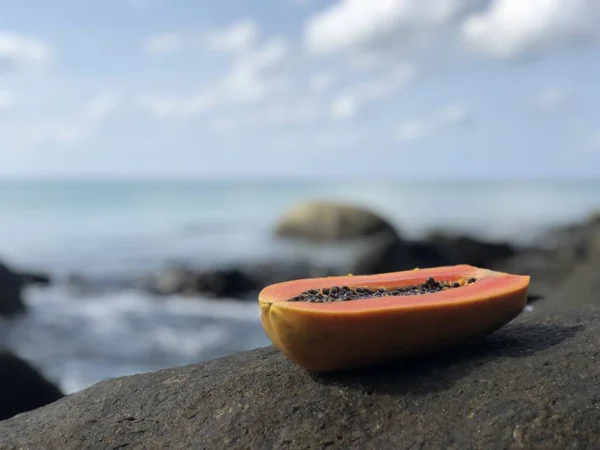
(535, 384)
(581, 287)
(321, 221)
(459, 249)
(22, 387)
(222, 282)
(390, 254)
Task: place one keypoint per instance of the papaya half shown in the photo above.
(333, 323)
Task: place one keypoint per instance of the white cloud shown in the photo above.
(250, 79)
(511, 28)
(321, 81)
(322, 139)
(552, 98)
(594, 143)
(238, 37)
(358, 24)
(413, 129)
(163, 107)
(456, 114)
(67, 130)
(141, 4)
(7, 100)
(17, 51)
(349, 102)
(163, 43)
(448, 116)
(344, 107)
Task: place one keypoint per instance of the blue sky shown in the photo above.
(428, 89)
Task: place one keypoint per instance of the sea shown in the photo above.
(113, 231)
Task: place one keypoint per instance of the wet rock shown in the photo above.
(22, 387)
(533, 384)
(459, 249)
(320, 221)
(12, 283)
(266, 273)
(231, 283)
(565, 271)
(11, 302)
(224, 282)
(390, 254)
(579, 288)
(175, 279)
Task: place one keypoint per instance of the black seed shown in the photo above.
(345, 293)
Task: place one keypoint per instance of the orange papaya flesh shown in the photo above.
(334, 335)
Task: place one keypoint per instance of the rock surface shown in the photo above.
(321, 221)
(533, 384)
(459, 249)
(225, 282)
(22, 387)
(390, 254)
(11, 287)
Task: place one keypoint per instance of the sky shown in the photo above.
(403, 89)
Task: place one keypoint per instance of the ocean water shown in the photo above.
(119, 230)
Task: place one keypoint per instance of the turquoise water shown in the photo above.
(117, 229)
(66, 226)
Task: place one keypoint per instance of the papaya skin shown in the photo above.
(343, 335)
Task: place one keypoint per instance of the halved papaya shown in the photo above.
(333, 323)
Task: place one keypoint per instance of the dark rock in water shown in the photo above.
(224, 283)
(267, 273)
(11, 286)
(228, 282)
(468, 250)
(40, 279)
(535, 384)
(320, 221)
(242, 281)
(22, 387)
(391, 254)
(175, 279)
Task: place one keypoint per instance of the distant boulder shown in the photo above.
(390, 254)
(22, 387)
(460, 249)
(320, 221)
(176, 279)
(231, 283)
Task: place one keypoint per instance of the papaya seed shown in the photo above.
(346, 293)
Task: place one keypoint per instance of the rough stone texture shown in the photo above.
(321, 221)
(534, 384)
(22, 387)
